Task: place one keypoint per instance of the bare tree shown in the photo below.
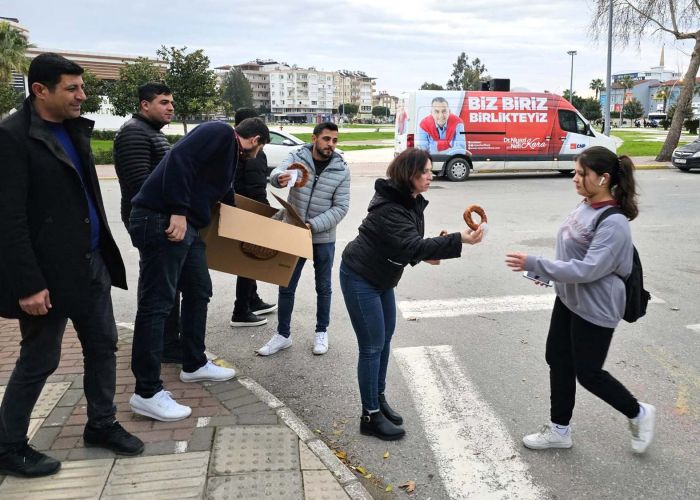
(633, 20)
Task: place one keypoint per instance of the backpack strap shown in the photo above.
(608, 212)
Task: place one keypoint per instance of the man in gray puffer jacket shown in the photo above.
(322, 203)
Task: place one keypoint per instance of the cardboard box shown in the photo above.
(244, 240)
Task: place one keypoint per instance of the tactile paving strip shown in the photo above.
(321, 485)
(167, 476)
(309, 461)
(75, 480)
(50, 395)
(255, 448)
(284, 485)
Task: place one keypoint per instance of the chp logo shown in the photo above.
(575, 146)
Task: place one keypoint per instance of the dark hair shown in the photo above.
(243, 113)
(250, 127)
(325, 126)
(149, 91)
(407, 166)
(47, 69)
(621, 171)
(439, 99)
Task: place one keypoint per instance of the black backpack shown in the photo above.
(637, 297)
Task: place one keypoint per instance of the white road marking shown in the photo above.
(476, 456)
(128, 326)
(449, 308)
(695, 328)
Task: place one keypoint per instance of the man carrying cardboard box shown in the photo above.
(322, 203)
(174, 203)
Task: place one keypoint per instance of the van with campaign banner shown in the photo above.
(467, 131)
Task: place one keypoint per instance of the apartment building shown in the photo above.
(383, 98)
(301, 94)
(354, 87)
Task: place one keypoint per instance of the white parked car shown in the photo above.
(281, 144)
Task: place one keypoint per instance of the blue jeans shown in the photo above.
(323, 264)
(164, 268)
(373, 315)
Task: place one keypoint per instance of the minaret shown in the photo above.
(661, 61)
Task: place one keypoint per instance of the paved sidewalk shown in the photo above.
(240, 442)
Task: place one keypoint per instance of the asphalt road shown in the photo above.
(470, 386)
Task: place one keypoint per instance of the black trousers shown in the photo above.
(40, 354)
(246, 295)
(576, 349)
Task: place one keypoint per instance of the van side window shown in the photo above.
(571, 122)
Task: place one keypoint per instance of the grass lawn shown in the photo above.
(355, 136)
(363, 146)
(100, 145)
(643, 144)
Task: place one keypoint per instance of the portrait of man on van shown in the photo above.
(441, 132)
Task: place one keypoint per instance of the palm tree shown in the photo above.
(13, 48)
(626, 83)
(598, 86)
(662, 95)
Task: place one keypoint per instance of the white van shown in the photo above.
(480, 130)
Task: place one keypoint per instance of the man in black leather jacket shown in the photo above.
(251, 182)
(138, 148)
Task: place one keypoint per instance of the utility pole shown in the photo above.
(572, 53)
(608, 77)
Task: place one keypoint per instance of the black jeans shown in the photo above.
(164, 268)
(40, 354)
(576, 349)
(246, 295)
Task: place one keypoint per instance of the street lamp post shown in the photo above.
(608, 83)
(572, 53)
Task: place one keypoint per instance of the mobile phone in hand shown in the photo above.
(537, 279)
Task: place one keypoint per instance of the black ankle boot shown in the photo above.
(384, 407)
(376, 424)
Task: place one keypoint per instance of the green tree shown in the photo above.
(466, 75)
(380, 111)
(94, 90)
(13, 50)
(9, 98)
(431, 86)
(264, 109)
(575, 100)
(633, 109)
(192, 82)
(348, 109)
(591, 109)
(236, 91)
(598, 86)
(626, 83)
(636, 20)
(123, 94)
(671, 112)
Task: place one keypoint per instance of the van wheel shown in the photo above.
(457, 169)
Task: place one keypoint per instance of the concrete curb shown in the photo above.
(342, 473)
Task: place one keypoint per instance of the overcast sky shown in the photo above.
(400, 42)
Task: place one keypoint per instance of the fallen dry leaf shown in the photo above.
(341, 455)
(386, 455)
(389, 489)
(409, 486)
(368, 476)
(338, 432)
(361, 470)
(317, 431)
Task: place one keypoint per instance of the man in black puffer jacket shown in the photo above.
(250, 181)
(138, 148)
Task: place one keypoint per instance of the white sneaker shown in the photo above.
(161, 406)
(208, 373)
(275, 344)
(547, 437)
(643, 428)
(321, 343)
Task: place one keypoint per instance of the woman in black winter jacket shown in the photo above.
(390, 237)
